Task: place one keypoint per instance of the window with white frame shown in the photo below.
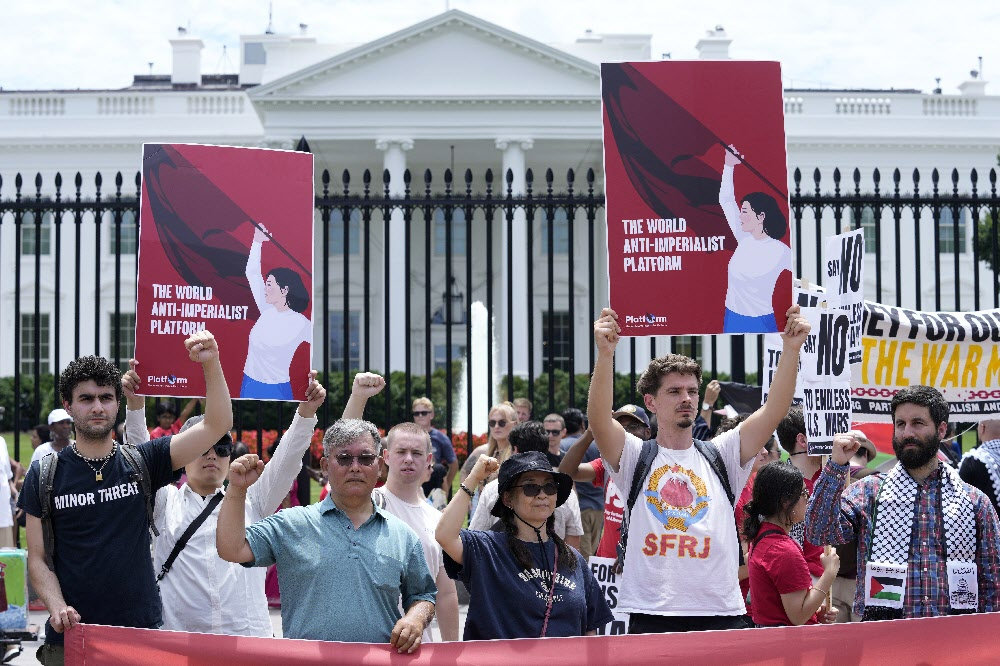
(867, 224)
(129, 234)
(946, 230)
(30, 323)
(458, 235)
(32, 244)
(337, 232)
(556, 351)
(560, 232)
(338, 341)
(124, 326)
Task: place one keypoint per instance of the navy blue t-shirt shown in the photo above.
(101, 532)
(508, 602)
(444, 452)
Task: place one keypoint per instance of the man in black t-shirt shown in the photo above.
(102, 572)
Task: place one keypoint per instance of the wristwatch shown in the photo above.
(705, 406)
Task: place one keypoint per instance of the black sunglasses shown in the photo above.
(554, 433)
(500, 422)
(346, 459)
(532, 489)
(222, 449)
(421, 413)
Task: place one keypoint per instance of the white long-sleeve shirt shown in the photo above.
(202, 592)
(756, 263)
(276, 335)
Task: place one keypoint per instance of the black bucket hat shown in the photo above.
(530, 461)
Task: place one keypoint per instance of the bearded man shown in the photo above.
(927, 541)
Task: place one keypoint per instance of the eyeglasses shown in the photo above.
(532, 489)
(420, 413)
(554, 433)
(499, 422)
(222, 450)
(346, 459)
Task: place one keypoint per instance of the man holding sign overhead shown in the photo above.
(679, 544)
(927, 541)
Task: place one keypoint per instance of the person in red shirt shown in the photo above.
(792, 437)
(780, 585)
(635, 420)
(168, 422)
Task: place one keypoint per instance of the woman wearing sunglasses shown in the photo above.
(193, 578)
(523, 580)
(503, 418)
(781, 589)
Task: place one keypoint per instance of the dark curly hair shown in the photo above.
(529, 436)
(297, 296)
(97, 368)
(925, 396)
(776, 489)
(658, 368)
(766, 205)
(790, 427)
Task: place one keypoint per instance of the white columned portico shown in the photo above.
(394, 161)
(516, 282)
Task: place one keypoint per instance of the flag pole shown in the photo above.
(278, 246)
(781, 193)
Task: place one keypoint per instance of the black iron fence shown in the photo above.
(458, 231)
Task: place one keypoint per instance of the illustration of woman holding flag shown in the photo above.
(760, 256)
(281, 298)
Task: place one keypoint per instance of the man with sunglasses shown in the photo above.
(343, 563)
(444, 452)
(201, 592)
(555, 428)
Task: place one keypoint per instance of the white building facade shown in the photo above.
(451, 92)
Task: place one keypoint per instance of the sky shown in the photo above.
(68, 44)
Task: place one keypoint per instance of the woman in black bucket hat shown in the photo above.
(523, 580)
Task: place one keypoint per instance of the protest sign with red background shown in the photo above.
(199, 211)
(666, 128)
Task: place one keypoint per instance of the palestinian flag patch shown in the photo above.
(883, 587)
(885, 584)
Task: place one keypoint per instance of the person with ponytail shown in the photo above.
(782, 591)
(523, 580)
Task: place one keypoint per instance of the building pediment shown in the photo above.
(451, 56)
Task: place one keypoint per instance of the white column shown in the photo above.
(514, 160)
(394, 160)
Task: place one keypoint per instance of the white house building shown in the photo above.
(456, 92)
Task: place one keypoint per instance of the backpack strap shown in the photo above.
(188, 533)
(140, 473)
(378, 499)
(642, 467)
(714, 458)
(760, 537)
(46, 481)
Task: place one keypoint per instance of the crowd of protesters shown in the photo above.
(710, 528)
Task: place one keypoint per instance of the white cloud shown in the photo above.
(851, 43)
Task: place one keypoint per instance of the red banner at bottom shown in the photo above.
(965, 639)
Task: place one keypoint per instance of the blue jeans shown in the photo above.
(737, 323)
(251, 388)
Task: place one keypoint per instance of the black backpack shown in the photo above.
(46, 480)
(646, 457)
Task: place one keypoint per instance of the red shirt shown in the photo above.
(614, 507)
(745, 497)
(174, 428)
(776, 567)
(810, 551)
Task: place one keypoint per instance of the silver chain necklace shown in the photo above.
(98, 472)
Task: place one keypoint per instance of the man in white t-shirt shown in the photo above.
(682, 548)
(408, 455)
(60, 429)
(7, 491)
